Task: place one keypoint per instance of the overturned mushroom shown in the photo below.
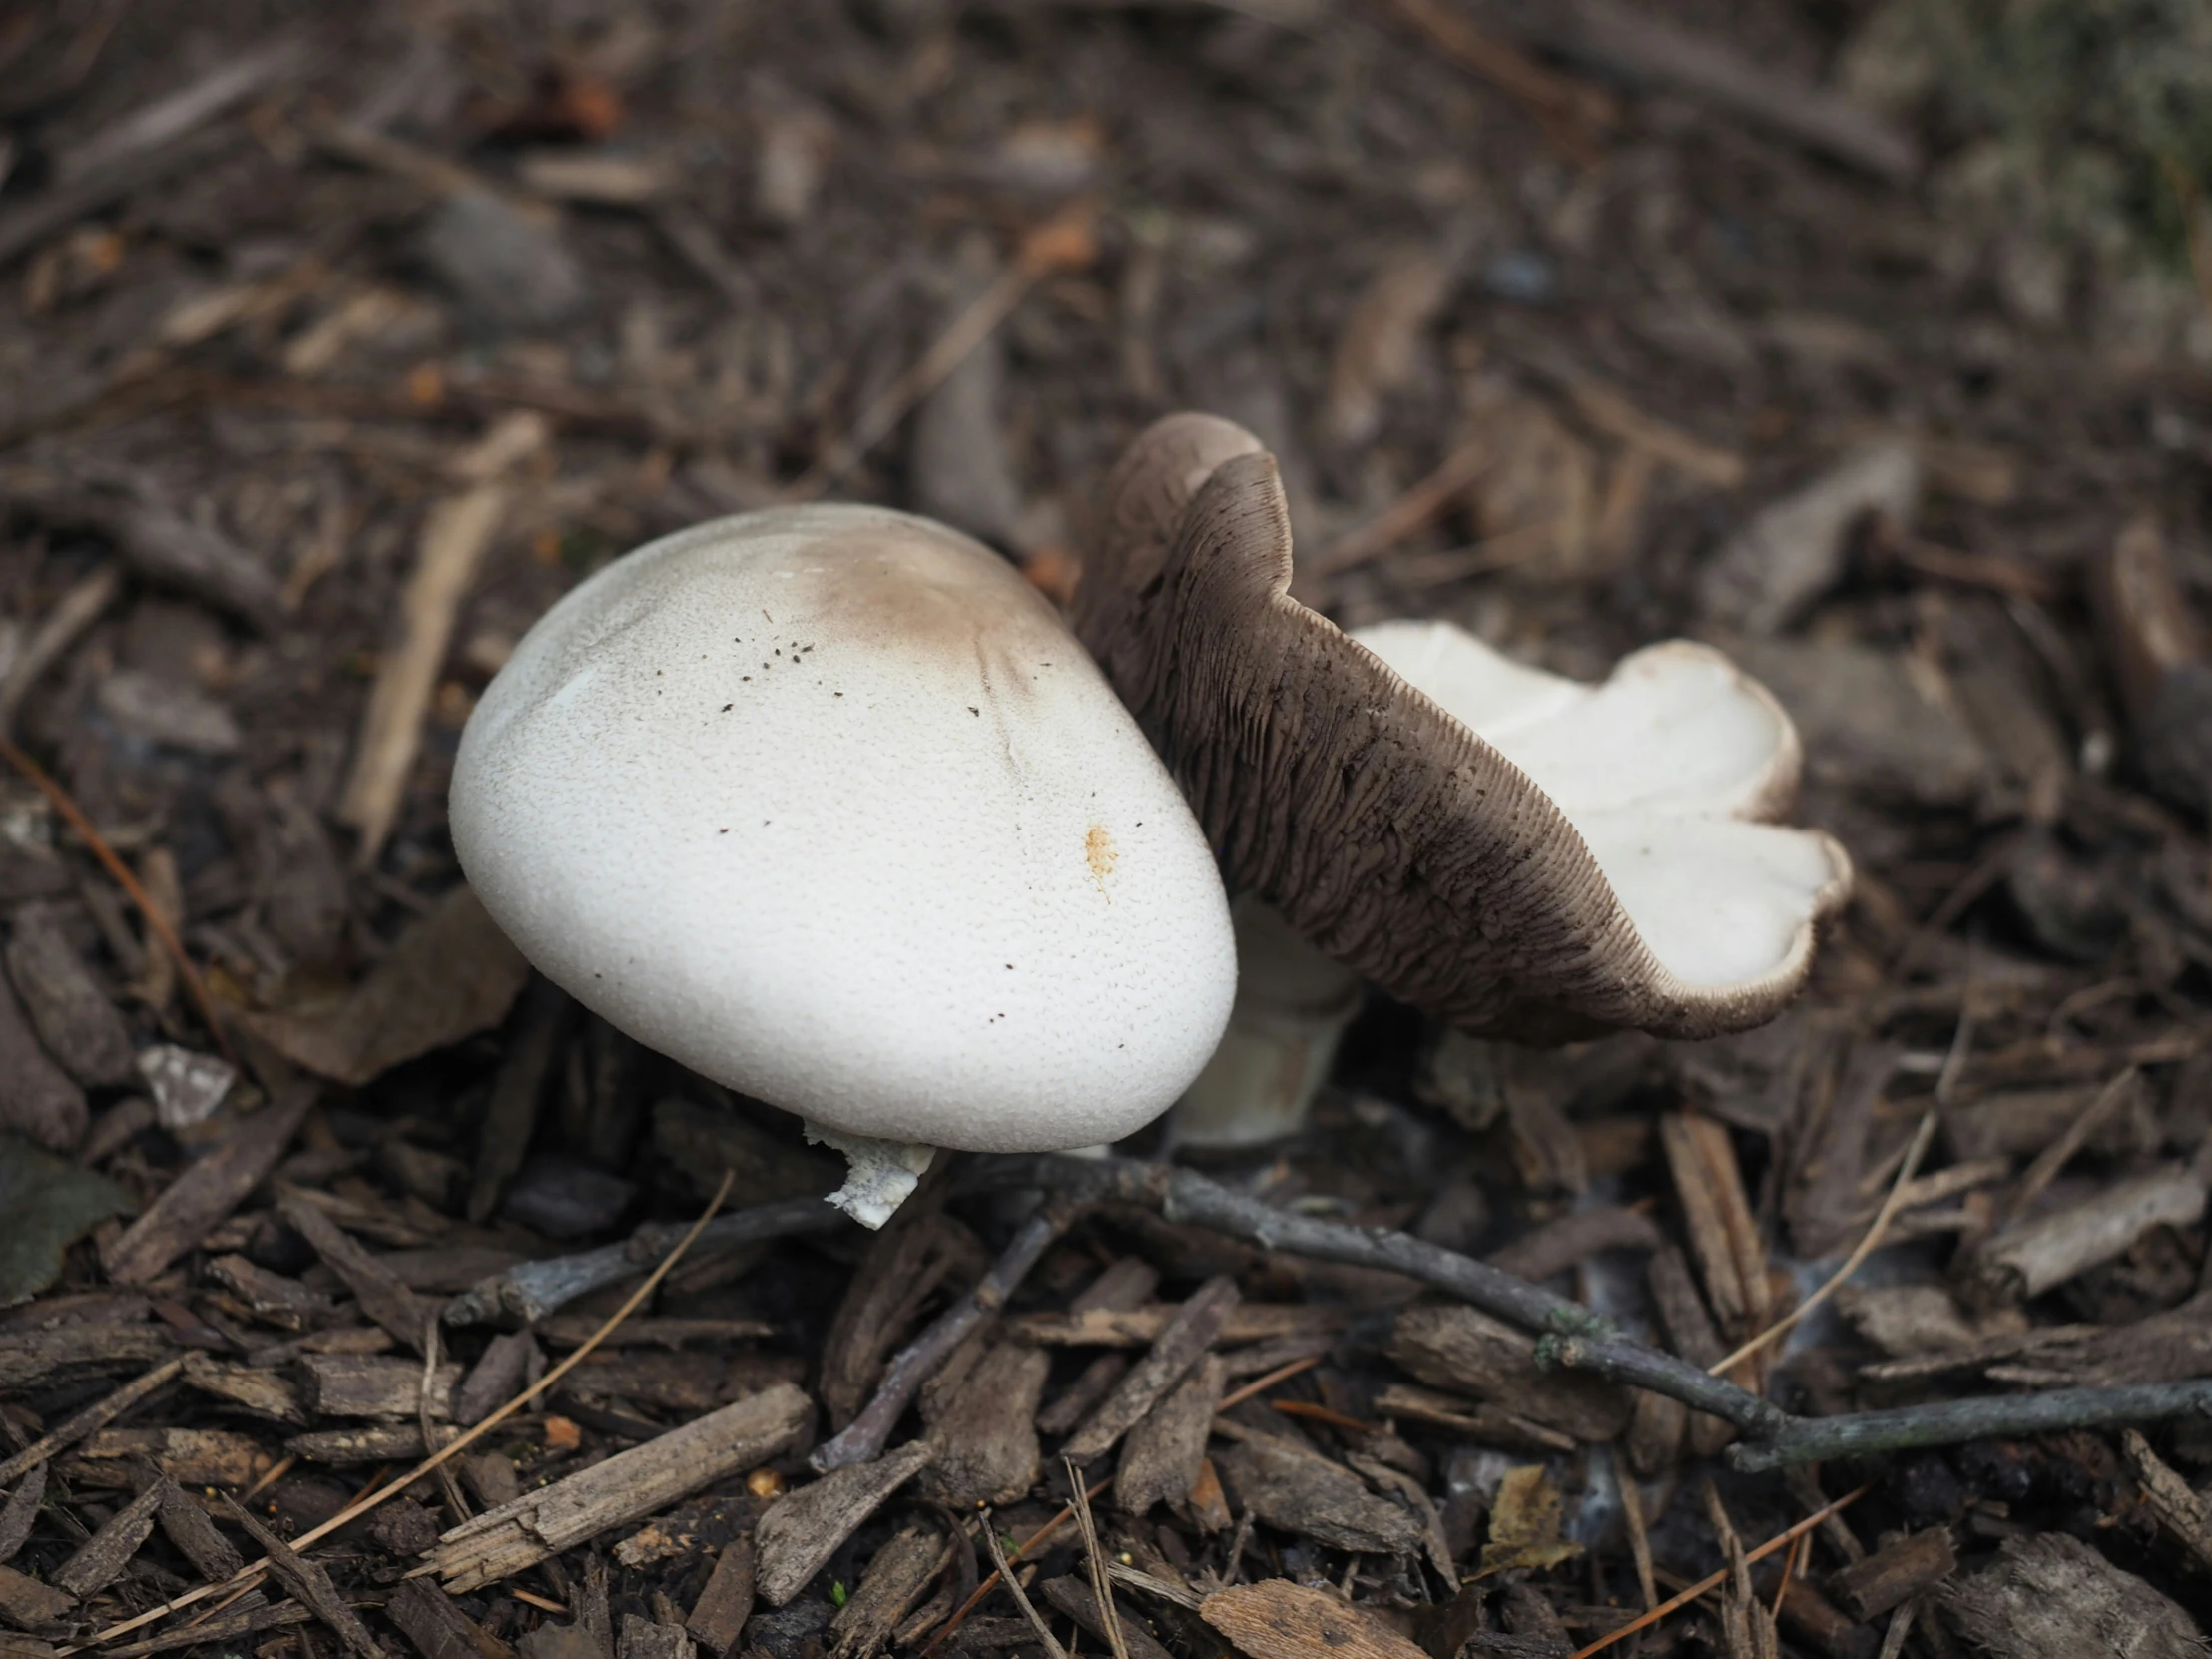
(827, 804)
(1514, 853)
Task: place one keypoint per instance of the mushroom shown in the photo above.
(827, 804)
(1514, 853)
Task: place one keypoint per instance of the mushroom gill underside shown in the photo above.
(1516, 854)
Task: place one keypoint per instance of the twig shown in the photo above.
(1409, 512)
(71, 615)
(96, 1416)
(1061, 244)
(532, 1291)
(865, 1436)
(431, 1438)
(284, 1467)
(375, 1496)
(1005, 1575)
(112, 863)
(1639, 1537)
(1570, 114)
(2054, 1157)
(1712, 1582)
(976, 1599)
(1101, 1587)
(1852, 1263)
(1261, 1384)
(1573, 1336)
(1901, 1626)
(1789, 1568)
(1954, 1421)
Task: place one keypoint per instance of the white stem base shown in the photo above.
(1292, 1005)
(880, 1175)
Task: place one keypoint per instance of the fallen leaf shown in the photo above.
(451, 975)
(46, 1205)
(1524, 1525)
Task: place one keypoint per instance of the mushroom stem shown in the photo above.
(880, 1175)
(1292, 1005)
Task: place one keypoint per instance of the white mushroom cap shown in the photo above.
(828, 805)
(1664, 768)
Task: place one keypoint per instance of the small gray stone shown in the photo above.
(508, 268)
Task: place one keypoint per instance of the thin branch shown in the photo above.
(975, 1598)
(1065, 242)
(1005, 1575)
(1574, 1338)
(1867, 1245)
(1101, 1586)
(866, 1435)
(375, 1496)
(1954, 1421)
(1573, 1335)
(1712, 1582)
(96, 1416)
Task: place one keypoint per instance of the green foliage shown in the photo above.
(46, 1205)
(2090, 118)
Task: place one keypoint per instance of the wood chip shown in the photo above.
(382, 1443)
(25, 1601)
(38, 1099)
(427, 1617)
(1455, 1347)
(624, 1488)
(717, 1618)
(31, 1358)
(1141, 1327)
(206, 1192)
(1283, 1620)
(2055, 1597)
(646, 1639)
(191, 1456)
(1470, 1419)
(91, 1418)
(1193, 1330)
(1080, 1602)
(21, 1510)
(987, 1433)
(245, 1619)
(1161, 1456)
(805, 1528)
(384, 1297)
(262, 1392)
(2031, 1256)
(457, 534)
(74, 1019)
(185, 1524)
(900, 1269)
(307, 1581)
(1288, 1485)
(1896, 1573)
(496, 1377)
(104, 1555)
(1724, 1235)
(511, 1115)
(374, 1385)
(891, 1586)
